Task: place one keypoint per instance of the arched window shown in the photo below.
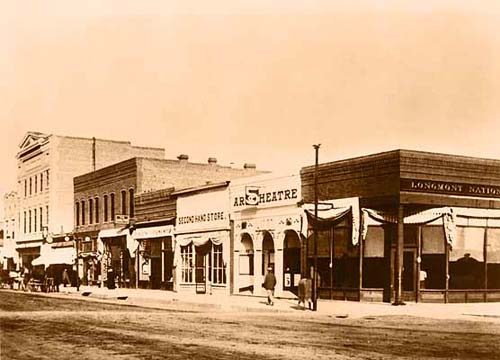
(83, 212)
(112, 200)
(131, 202)
(106, 213)
(96, 202)
(91, 211)
(77, 213)
(124, 202)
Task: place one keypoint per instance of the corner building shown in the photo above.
(421, 227)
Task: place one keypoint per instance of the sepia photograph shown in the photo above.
(236, 179)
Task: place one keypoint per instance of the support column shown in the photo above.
(278, 271)
(258, 279)
(361, 254)
(398, 288)
(485, 259)
(447, 269)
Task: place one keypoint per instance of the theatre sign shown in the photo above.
(449, 188)
(265, 192)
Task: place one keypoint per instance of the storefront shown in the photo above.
(155, 255)
(202, 241)
(269, 229)
(429, 227)
(118, 250)
(89, 258)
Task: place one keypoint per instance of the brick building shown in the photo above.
(104, 206)
(47, 164)
(419, 227)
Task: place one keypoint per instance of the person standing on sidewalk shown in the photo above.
(269, 284)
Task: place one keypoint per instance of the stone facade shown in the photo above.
(10, 224)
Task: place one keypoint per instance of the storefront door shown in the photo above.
(409, 271)
(200, 277)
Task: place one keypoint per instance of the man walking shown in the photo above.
(269, 284)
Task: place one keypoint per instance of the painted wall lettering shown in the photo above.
(445, 187)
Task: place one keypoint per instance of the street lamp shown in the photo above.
(315, 230)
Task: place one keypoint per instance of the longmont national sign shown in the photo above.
(449, 188)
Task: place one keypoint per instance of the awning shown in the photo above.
(199, 239)
(107, 233)
(56, 256)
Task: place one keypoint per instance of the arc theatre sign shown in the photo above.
(255, 196)
(449, 188)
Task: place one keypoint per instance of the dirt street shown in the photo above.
(35, 327)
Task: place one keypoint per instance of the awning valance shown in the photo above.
(199, 239)
(107, 233)
(414, 217)
(56, 256)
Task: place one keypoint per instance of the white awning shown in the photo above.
(64, 255)
(198, 239)
(107, 233)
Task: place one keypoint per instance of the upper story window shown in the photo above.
(31, 185)
(131, 202)
(34, 220)
(96, 203)
(112, 206)
(41, 219)
(36, 184)
(25, 222)
(47, 214)
(91, 211)
(47, 177)
(124, 202)
(77, 213)
(29, 221)
(41, 182)
(25, 187)
(83, 212)
(106, 213)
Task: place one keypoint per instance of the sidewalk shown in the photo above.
(330, 308)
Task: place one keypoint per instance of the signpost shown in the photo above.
(315, 229)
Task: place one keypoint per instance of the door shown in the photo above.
(200, 271)
(408, 276)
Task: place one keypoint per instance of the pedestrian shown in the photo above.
(65, 278)
(269, 284)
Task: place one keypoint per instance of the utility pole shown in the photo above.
(315, 229)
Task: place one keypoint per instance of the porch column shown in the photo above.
(258, 279)
(278, 271)
(398, 293)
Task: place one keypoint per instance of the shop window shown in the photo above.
(187, 263)
(216, 265)
(131, 202)
(124, 202)
(91, 211)
(493, 258)
(466, 259)
(433, 257)
(374, 264)
(106, 213)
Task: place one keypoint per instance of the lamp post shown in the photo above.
(315, 229)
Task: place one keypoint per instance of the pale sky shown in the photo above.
(253, 81)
